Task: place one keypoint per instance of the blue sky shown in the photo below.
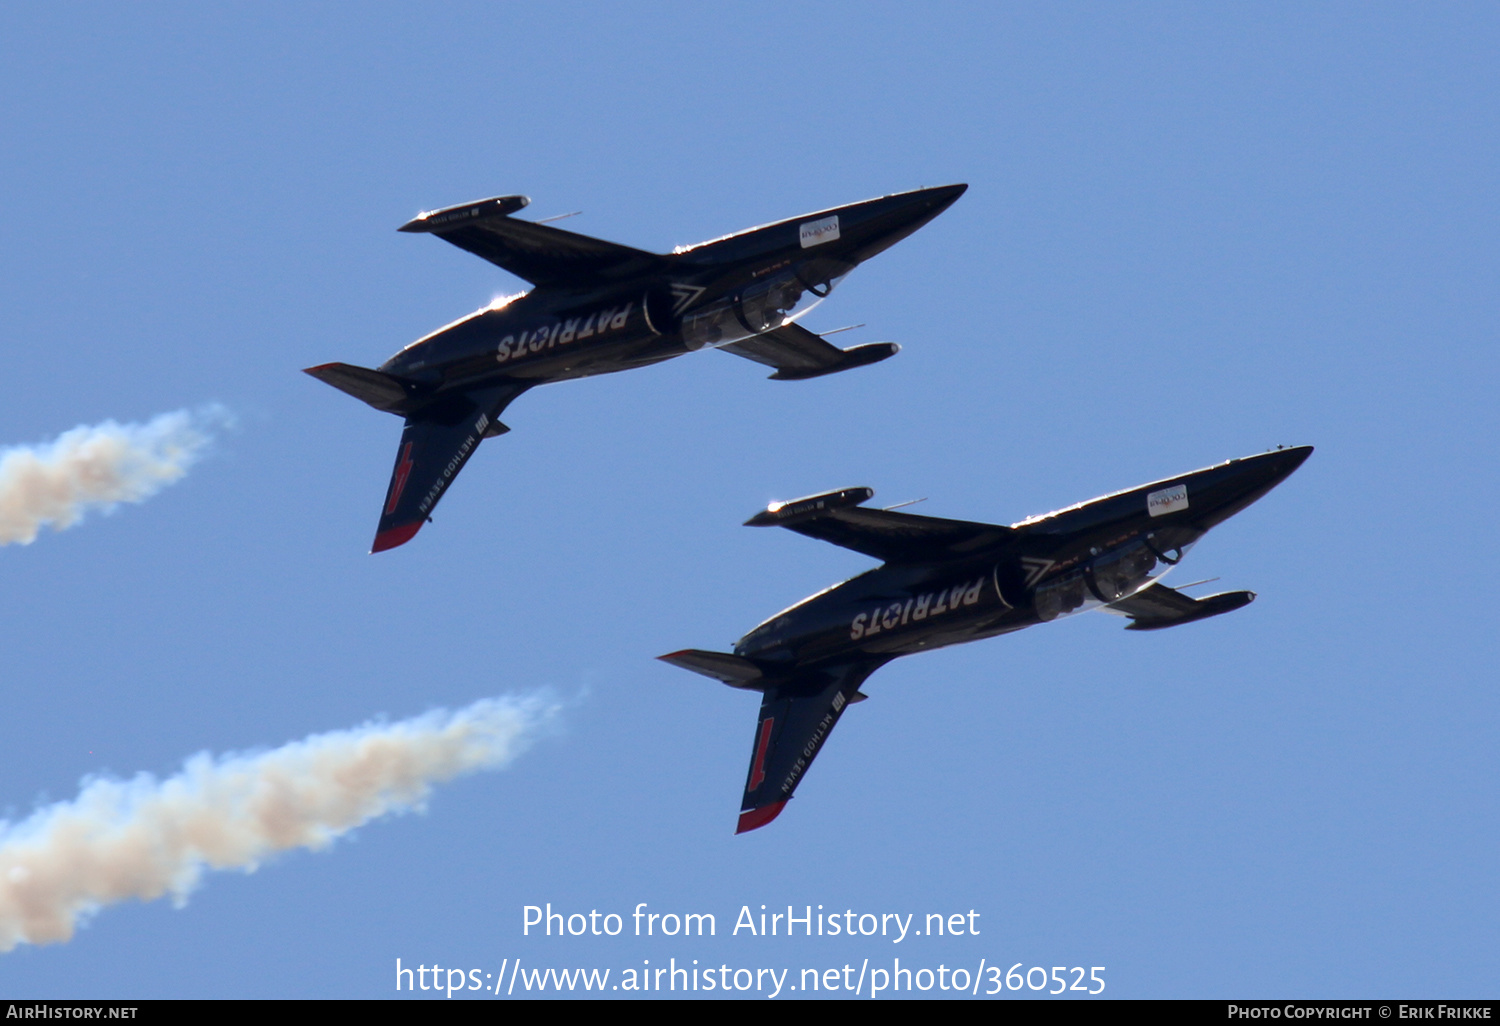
(1193, 232)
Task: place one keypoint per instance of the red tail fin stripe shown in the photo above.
(398, 483)
(758, 770)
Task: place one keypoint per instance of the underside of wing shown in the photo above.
(539, 253)
(1157, 606)
(435, 444)
(885, 534)
(796, 717)
(797, 353)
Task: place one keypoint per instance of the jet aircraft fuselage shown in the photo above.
(599, 307)
(702, 296)
(1044, 568)
(947, 581)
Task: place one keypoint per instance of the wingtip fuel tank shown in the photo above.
(449, 218)
(782, 514)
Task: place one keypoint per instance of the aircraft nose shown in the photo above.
(943, 196)
(923, 205)
(1230, 488)
(1259, 474)
(1287, 460)
(876, 225)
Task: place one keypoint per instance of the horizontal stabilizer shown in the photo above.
(1157, 606)
(386, 392)
(799, 354)
(733, 670)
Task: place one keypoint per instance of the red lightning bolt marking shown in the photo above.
(758, 771)
(398, 484)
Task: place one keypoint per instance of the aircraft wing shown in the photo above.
(885, 534)
(435, 444)
(796, 717)
(798, 354)
(1156, 606)
(539, 253)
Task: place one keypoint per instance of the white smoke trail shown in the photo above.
(97, 466)
(144, 838)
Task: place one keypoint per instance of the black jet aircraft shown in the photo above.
(950, 581)
(599, 307)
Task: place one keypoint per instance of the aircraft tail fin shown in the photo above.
(437, 441)
(736, 671)
(386, 392)
(797, 713)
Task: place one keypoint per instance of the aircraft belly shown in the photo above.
(922, 612)
(942, 634)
